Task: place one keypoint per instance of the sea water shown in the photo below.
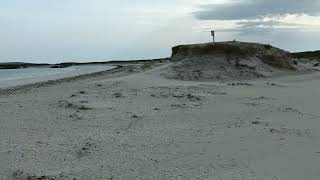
(15, 77)
(15, 74)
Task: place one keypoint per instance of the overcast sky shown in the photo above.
(93, 30)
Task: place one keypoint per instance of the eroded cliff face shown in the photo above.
(228, 60)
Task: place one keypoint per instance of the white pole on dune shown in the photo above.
(213, 35)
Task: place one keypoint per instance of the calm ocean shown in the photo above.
(14, 77)
(14, 74)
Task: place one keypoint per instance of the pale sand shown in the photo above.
(140, 125)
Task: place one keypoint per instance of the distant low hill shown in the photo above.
(13, 65)
(315, 55)
(19, 65)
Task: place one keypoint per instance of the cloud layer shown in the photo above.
(265, 20)
(251, 9)
(82, 30)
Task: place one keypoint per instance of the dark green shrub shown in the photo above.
(267, 46)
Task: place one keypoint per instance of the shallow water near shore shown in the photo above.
(15, 77)
(13, 74)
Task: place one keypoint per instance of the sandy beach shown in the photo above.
(137, 124)
(159, 90)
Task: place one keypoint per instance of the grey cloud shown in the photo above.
(262, 25)
(259, 28)
(250, 12)
(251, 9)
(266, 24)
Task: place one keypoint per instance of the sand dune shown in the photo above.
(229, 60)
(134, 123)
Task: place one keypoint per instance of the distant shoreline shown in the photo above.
(20, 65)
